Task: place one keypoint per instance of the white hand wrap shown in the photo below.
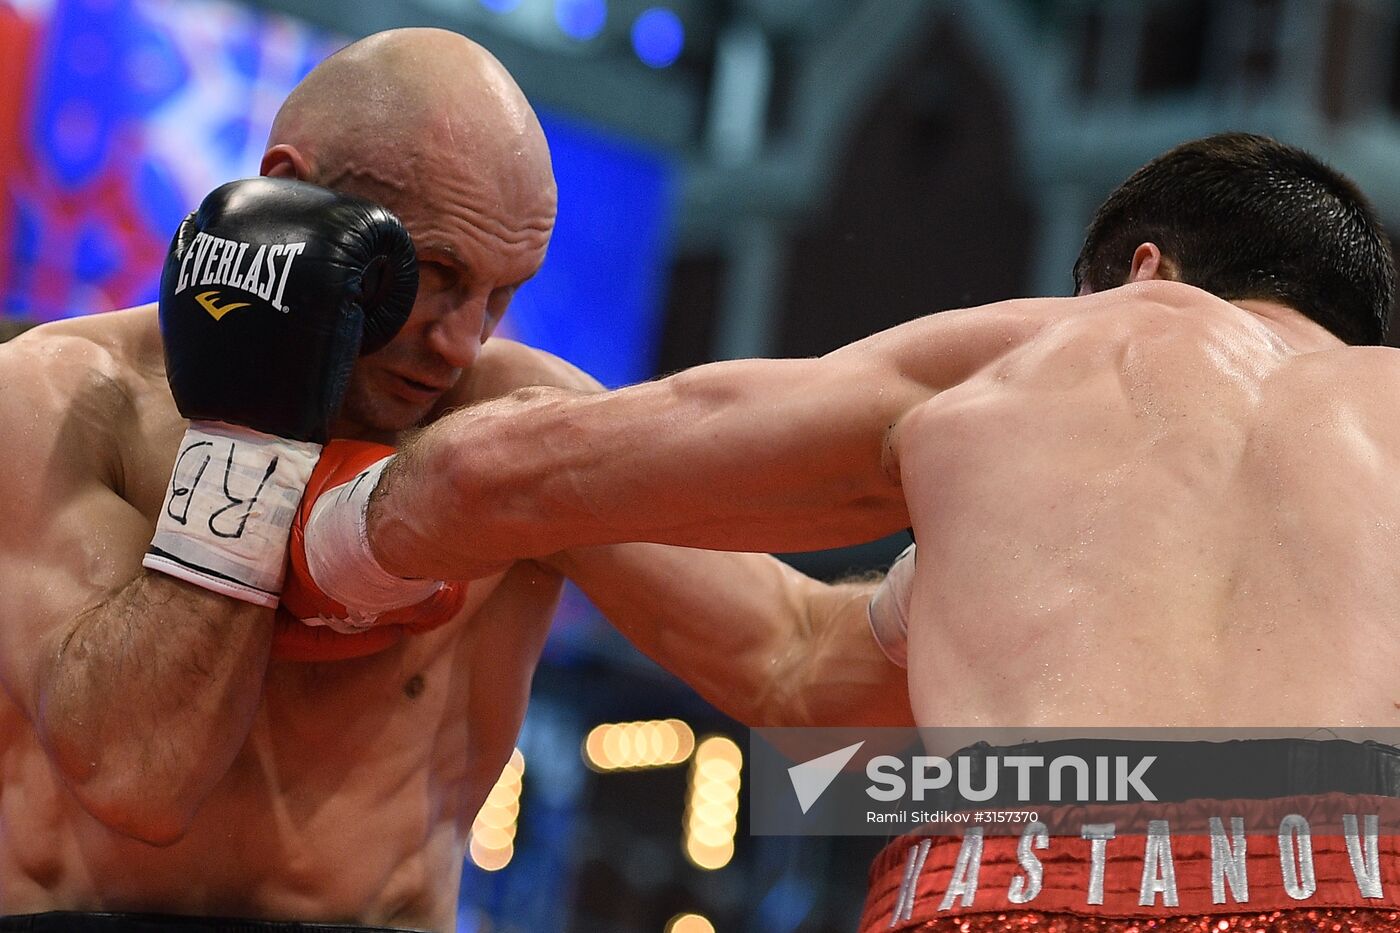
(889, 608)
(229, 508)
(341, 563)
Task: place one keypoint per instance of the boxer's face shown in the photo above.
(477, 244)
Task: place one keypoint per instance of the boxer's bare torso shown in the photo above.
(1161, 510)
(353, 795)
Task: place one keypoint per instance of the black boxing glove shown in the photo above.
(270, 291)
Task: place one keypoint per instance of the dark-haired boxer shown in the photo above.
(10, 328)
(172, 753)
(1165, 501)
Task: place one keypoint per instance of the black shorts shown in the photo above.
(77, 921)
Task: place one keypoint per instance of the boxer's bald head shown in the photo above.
(385, 109)
(431, 125)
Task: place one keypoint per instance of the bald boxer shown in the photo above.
(173, 751)
(1165, 501)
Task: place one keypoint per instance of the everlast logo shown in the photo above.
(209, 302)
(212, 260)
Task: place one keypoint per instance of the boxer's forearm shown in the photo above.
(762, 642)
(769, 455)
(139, 687)
(420, 520)
(149, 698)
(844, 678)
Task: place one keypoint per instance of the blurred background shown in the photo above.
(736, 178)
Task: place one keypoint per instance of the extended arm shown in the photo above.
(759, 640)
(771, 455)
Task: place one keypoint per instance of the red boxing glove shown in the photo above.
(296, 640)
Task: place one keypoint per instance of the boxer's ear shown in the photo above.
(284, 161)
(1149, 263)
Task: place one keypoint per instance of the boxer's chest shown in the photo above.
(431, 701)
(445, 705)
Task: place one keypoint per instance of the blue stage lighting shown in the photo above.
(581, 19)
(658, 36)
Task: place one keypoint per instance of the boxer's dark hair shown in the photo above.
(12, 327)
(1245, 216)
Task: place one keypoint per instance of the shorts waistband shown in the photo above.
(1242, 769)
(72, 921)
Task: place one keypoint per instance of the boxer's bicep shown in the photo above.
(69, 542)
(728, 624)
(89, 642)
(773, 455)
(793, 450)
(764, 643)
(766, 455)
(843, 678)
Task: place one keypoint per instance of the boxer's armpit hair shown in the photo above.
(856, 577)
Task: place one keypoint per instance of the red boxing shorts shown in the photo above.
(1308, 862)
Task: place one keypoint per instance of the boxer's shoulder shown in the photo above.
(1165, 318)
(55, 356)
(1349, 386)
(74, 388)
(1161, 307)
(119, 350)
(1374, 370)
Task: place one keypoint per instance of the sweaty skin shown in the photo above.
(388, 757)
(1146, 506)
(151, 757)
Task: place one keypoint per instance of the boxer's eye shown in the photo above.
(435, 276)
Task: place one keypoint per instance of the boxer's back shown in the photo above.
(1162, 510)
